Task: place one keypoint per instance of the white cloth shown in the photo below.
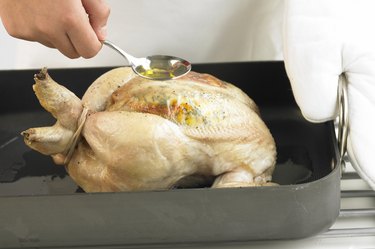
(199, 31)
(324, 39)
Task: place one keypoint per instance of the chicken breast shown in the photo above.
(129, 133)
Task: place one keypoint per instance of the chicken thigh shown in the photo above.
(129, 133)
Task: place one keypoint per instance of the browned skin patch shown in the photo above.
(204, 79)
(122, 93)
(185, 111)
(182, 113)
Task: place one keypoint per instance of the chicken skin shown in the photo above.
(128, 133)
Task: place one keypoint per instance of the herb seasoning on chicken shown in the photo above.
(129, 133)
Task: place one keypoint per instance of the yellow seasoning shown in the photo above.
(157, 73)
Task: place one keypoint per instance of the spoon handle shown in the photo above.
(131, 59)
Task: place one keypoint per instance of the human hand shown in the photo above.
(74, 27)
(323, 40)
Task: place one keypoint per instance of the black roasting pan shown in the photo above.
(41, 207)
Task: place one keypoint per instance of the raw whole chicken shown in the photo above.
(130, 134)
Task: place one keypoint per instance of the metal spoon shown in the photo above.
(155, 67)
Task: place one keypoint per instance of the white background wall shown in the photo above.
(199, 31)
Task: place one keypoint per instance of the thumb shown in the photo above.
(98, 12)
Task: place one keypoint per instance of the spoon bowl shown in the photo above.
(155, 67)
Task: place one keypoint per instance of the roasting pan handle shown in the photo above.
(343, 121)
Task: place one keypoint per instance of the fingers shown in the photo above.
(83, 38)
(88, 28)
(86, 33)
(60, 41)
(66, 47)
(98, 12)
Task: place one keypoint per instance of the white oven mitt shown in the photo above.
(322, 40)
